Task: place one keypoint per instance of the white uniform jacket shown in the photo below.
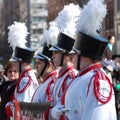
(44, 93)
(26, 86)
(64, 79)
(90, 96)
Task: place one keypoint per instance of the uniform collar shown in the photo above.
(89, 68)
(62, 72)
(53, 73)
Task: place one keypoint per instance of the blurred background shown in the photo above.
(38, 13)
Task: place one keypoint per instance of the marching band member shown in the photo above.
(62, 55)
(48, 75)
(22, 57)
(27, 82)
(90, 96)
(46, 70)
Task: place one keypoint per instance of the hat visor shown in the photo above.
(42, 57)
(72, 52)
(15, 59)
(54, 49)
(39, 57)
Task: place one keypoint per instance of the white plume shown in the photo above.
(91, 17)
(17, 35)
(50, 35)
(44, 38)
(67, 18)
(53, 33)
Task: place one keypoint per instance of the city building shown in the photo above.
(117, 24)
(54, 6)
(112, 23)
(39, 17)
(109, 20)
(10, 12)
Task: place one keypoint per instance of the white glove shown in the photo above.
(56, 112)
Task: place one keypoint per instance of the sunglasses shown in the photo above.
(10, 71)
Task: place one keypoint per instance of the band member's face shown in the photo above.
(85, 61)
(57, 56)
(39, 65)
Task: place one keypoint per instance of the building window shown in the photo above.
(109, 20)
(43, 6)
(106, 22)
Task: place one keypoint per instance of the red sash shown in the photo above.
(48, 90)
(70, 74)
(19, 80)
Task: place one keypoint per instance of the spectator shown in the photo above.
(11, 71)
(8, 87)
(108, 51)
(107, 62)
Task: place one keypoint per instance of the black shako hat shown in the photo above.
(25, 54)
(46, 54)
(90, 46)
(64, 43)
